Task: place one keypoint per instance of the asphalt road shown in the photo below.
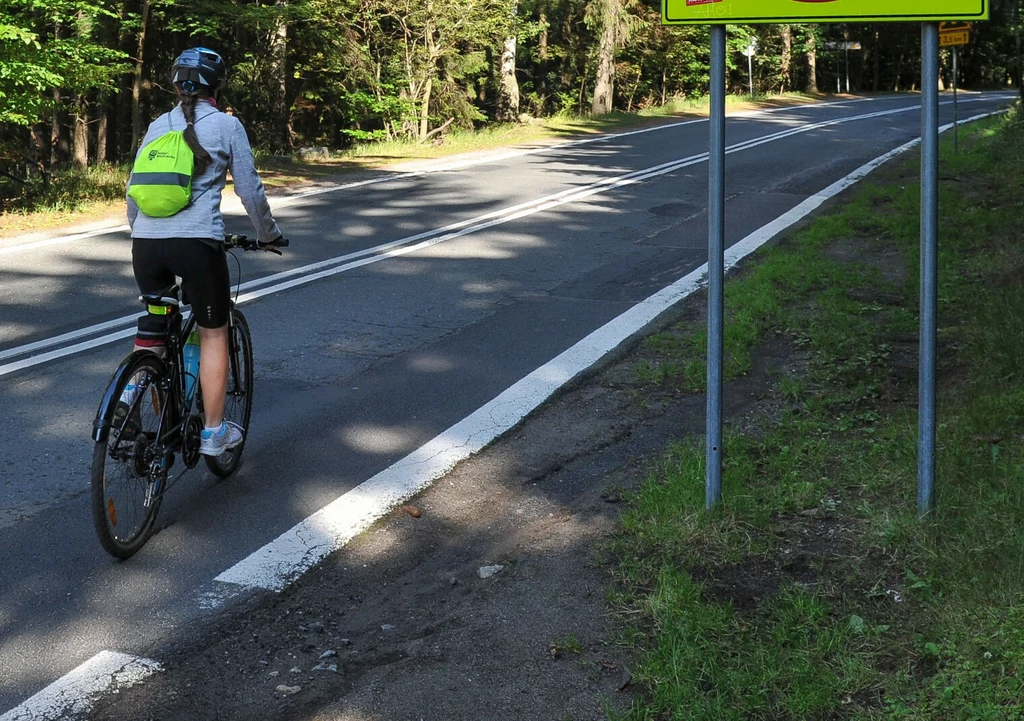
(487, 271)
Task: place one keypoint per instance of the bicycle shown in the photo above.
(138, 434)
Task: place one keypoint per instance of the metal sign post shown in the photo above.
(929, 12)
(953, 35)
(929, 266)
(750, 51)
(846, 54)
(956, 107)
(846, 46)
(846, 51)
(716, 269)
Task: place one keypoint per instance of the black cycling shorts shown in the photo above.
(203, 270)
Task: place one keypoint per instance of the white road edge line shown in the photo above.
(287, 557)
(75, 693)
(279, 202)
(403, 246)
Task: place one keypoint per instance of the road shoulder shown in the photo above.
(400, 624)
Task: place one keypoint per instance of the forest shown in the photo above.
(81, 79)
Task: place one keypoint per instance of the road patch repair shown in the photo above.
(512, 505)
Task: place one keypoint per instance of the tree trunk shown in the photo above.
(119, 128)
(81, 117)
(786, 63)
(60, 142)
(80, 158)
(103, 128)
(428, 85)
(137, 82)
(425, 108)
(279, 56)
(39, 152)
(812, 66)
(876, 61)
(604, 87)
(508, 86)
(542, 56)
(488, 81)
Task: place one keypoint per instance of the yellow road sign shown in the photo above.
(701, 12)
(957, 37)
(954, 27)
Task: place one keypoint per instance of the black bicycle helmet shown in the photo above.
(198, 68)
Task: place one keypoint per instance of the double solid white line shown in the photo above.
(70, 343)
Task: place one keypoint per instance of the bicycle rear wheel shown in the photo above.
(125, 494)
(238, 402)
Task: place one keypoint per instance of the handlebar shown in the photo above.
(245, 243)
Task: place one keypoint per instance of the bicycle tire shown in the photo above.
(238, 401)
(121, 476)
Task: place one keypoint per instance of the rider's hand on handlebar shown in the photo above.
(271, 246)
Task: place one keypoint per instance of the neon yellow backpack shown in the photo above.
(161, 182)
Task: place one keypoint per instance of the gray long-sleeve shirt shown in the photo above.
(225, 140)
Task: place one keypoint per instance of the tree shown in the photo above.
(616, 24)
(38, 58)
(786, 64)
(508, 86)
(137, 82)
(812, 63)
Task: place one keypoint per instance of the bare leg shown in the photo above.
(213, 372)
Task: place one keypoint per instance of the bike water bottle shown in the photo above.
(191, 355)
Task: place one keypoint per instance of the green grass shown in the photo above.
(70, 191)
(813, 591)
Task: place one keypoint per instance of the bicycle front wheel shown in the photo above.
(125, 491)
(238, 401)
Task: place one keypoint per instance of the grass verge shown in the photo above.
(814, 592)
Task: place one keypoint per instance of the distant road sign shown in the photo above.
(703, 12)
(843, 46)
(954, 39)
(954, 27)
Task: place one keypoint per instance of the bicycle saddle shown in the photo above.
(169, 297)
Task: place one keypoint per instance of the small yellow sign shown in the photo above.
(955, 38)
(703, 12)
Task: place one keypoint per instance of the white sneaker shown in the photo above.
(218, 441)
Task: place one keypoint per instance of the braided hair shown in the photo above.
(202, 156)
(197, 73)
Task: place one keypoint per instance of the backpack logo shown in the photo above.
(154, 154)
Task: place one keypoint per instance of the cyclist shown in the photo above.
(187, 244)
